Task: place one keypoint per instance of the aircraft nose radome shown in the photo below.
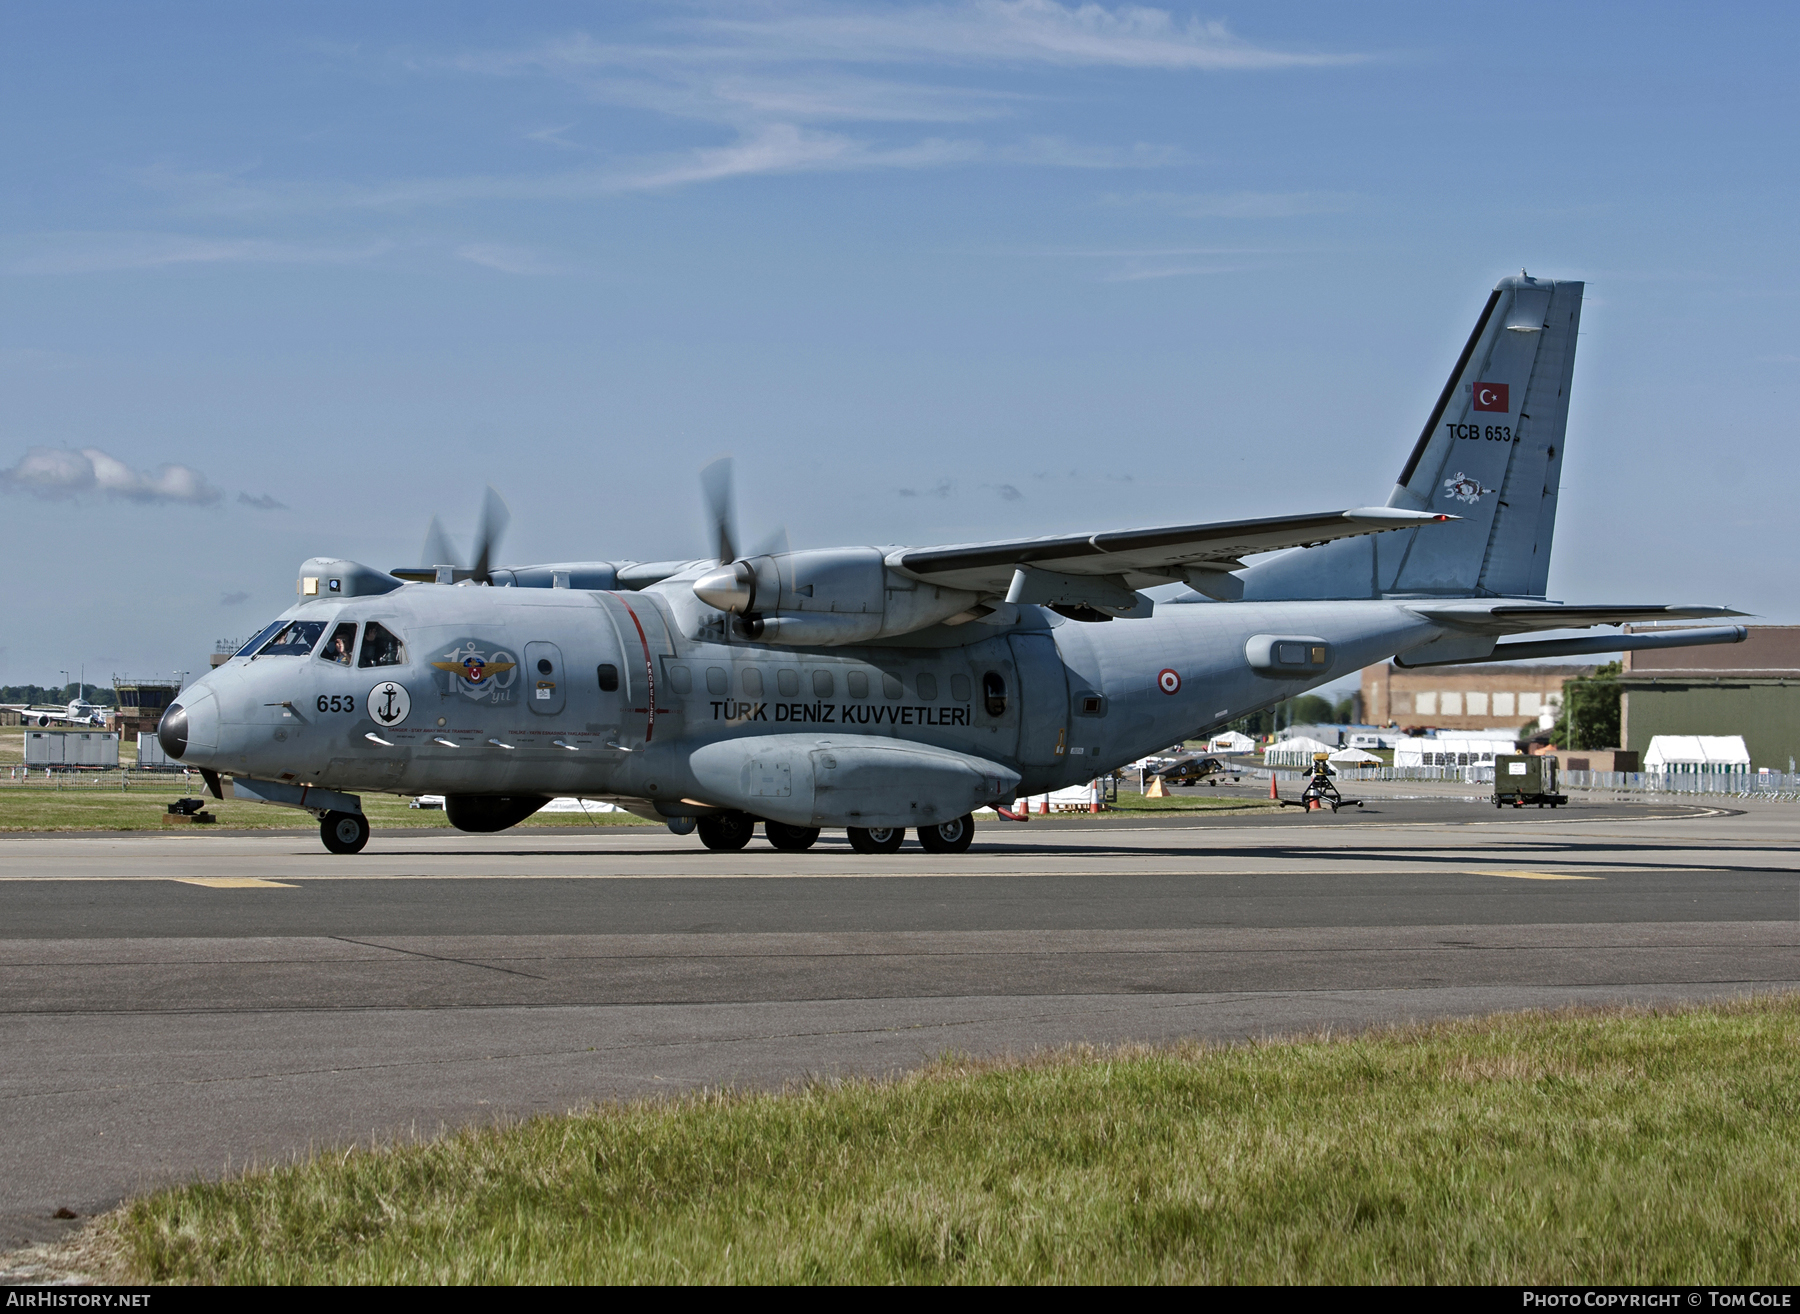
(172, 731)
(197, 733)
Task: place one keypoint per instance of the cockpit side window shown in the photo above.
(380, 647)
(294, 639)
(249, 649)
(341, 646)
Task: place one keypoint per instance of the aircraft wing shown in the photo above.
(1514, 617)
(1143, 558)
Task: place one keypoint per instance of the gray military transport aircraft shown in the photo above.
(891, 688)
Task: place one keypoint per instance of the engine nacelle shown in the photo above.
(848, 780)
(828, 596)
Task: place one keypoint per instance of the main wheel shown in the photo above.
(876, 839)
(344, 832)
(790, 839)
(951, 837)
(727, 832)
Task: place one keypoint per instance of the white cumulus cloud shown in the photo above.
(55, 472)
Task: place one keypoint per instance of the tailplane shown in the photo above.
(1491, 454)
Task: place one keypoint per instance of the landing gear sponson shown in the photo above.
(727, 832)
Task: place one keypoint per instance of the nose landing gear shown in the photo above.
(344, 832)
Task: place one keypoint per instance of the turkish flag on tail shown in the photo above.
(1491, 397)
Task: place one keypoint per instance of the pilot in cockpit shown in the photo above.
(343, 642)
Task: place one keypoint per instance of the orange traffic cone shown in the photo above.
(1272, 790)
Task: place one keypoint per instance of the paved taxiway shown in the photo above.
(172, 1003)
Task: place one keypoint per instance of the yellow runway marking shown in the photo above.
(1540, 876)
(233, 883)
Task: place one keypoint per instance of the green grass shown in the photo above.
(1131, 801)
(1648, 1147)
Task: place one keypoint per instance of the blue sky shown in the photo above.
(304, 275)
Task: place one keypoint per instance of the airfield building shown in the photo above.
(142, 703)
(1750, 689)
(1497, 697)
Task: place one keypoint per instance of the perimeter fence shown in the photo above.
(1773, 785)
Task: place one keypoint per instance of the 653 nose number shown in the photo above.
(335, 703)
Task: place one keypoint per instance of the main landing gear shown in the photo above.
(727, 832)
(344, 832)
(950, 837)
(790, 839)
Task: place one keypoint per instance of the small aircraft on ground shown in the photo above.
(78, 712)
(884, 689)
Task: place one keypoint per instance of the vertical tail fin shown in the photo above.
(1491, 453)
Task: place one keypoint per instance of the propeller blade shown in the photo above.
(715, 483)
(494, 519)
(771, 545)
(439, 550)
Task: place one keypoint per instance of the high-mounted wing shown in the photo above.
(1143, 558)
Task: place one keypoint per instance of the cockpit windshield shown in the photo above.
(380, 647)
(250, 648)
(295, 639)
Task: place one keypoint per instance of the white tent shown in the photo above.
(1697, 753)
(1231, 742)
(1354, 757)
(1452, 750)
(1295, 752)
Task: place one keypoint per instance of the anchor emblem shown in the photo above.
(389, 703)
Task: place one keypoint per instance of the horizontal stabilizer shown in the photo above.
(1148, 557)
(1515, 652)
(1524, 617)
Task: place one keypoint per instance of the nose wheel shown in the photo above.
(344, 832)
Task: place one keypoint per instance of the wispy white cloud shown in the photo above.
(767, 71)
(1241, 205)
(982, 32)
(89, 252)
(799, 88)
(1138, 273)
(265, 502)
(57, 473)
(506, 258)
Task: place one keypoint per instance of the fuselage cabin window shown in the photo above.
(823, 685)
(787, 681)
(717, 682)
(609, 677)
(993, 693)
(295, 639)
(341, 646)
(680, 680)
(753, 682)
(380, 647)
(858, 683)
(927, 687)
(891, 687)
(959, 688)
